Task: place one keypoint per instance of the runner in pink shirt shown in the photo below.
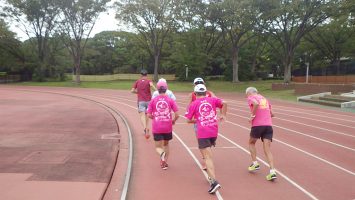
(261, 127)
(159, 109)
(203, 112)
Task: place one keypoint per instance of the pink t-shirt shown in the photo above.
(204, 110)
(143, 89)
(160, 108)
(262, 115)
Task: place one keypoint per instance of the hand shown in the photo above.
(223, 118)
(174, 122)
(251, 118)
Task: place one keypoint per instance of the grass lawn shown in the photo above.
(264, 87)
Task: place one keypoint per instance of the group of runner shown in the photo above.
(162, 109)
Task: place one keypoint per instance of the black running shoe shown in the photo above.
(214, 187)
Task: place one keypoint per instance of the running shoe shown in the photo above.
(253, 167)
(214, 187)
(146, 133)
(271, 177)
(164, 165)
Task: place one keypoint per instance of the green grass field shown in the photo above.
(264, 87)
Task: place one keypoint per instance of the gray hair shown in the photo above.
(251, 90)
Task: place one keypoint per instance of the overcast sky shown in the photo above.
(106, 22)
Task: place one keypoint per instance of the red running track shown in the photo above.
(314, 155)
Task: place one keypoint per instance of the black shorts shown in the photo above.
(163, 136)
(206, 142)
(263, 132)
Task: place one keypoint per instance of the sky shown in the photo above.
(105, 22)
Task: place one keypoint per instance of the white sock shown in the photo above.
(255, 163)
(272, 171)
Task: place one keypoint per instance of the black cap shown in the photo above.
(144, 72)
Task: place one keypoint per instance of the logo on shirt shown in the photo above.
(207, 114)
(163, 111)
(263, 104)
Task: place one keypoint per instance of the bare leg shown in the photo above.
(143, 119)
(166, 149)
(252, 148)
(159, 147)
(268, 154)
(207, 154)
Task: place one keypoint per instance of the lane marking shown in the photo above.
(303, 111)
(219, 196)
(194, 148)
(303, 151)
(318, 120)
(278, 171)
(317, 127)
(300, 133)
(291, 146)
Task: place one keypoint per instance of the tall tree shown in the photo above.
(77, 21)
(237, 19)
(153, 19)
(36, 17)
(288, 21)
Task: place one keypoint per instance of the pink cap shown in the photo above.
(162, 85)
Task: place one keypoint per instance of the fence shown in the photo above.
(346, 79)
(9, 78)
(169, 77)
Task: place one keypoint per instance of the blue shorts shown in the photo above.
(143, 106)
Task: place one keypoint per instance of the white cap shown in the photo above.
(162, 80)
(198, 80)
(251, 90)
(200, 88)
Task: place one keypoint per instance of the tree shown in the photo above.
(36, 17)
(10, 49)
(77, 21)
(288, 21)
(237, 19)
(153, 20)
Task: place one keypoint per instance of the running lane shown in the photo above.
(305, 176)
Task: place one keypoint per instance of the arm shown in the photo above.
(152, 86)
(271, 113)
(223, 116)
(189, 100)
(253, 112)
(176, 117)
(134, 90)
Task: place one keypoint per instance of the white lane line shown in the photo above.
(323, 114)
(317, 127)
(279, 172)
(303, 151)
(302, 111)
(194, 148)
(318, 120)
(219, 196)
(300, 133)
(289, 145)
(199, 165)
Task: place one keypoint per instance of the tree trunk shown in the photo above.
(288, 67)
(156, 65)
(77, 69)
(235, 58)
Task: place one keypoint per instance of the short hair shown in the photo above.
(200, 93)
(251, 90)
(162, 90)
(144, 72)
